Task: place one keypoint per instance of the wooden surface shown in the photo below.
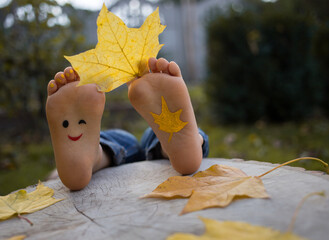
(110, 207)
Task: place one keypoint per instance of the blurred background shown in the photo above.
(257, 71)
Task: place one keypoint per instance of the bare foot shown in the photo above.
(145, 94)
(74, 117)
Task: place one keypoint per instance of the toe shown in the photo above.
(52, 87)
(60, 79)
(70, 75)
(162, 65)
(152, 65)
(174, 69)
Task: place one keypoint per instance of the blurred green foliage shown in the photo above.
(25, 164)
(34, 37)
(268, 60)
(269, 142)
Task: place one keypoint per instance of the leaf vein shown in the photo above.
(124, 54)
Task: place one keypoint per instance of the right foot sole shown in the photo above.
(146, 93)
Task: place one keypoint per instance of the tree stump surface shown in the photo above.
(110, 207)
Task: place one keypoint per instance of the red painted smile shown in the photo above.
(75, 138)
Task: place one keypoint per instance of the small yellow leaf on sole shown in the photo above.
(168, 121)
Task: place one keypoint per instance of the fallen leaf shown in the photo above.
(217, 186)
(216, 230)
(21, 202)
(224, 230)
(121, 54)
(18, 237)
(168, 121)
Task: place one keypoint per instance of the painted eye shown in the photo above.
(82, 121)
(65, 123)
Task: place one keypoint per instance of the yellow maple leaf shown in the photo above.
(21, 202)
(18, 237)
(121, 53)
(224, 230)
(168, 121)
(217, 186)
(216, 230)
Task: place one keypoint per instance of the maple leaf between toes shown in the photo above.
(121, 53)
(168, 121)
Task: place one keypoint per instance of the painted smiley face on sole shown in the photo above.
(74, 138)
(66, 125)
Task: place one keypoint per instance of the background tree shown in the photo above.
(34, 37)
(266, 61)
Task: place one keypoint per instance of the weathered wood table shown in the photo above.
(110, 207)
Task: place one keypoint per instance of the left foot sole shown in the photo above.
(74, 116)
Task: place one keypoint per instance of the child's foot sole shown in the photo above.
(74, 116)
(183, 146)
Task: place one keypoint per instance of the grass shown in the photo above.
(272, 143)
(22, 165)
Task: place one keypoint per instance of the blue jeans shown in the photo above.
(123, 147)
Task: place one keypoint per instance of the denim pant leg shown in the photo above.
(151, 146)
(121, 146)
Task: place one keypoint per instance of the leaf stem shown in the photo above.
(170, 137)
(291, 161)
(26, 219)
(293, 220)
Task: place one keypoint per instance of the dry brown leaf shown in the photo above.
(215, 187)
